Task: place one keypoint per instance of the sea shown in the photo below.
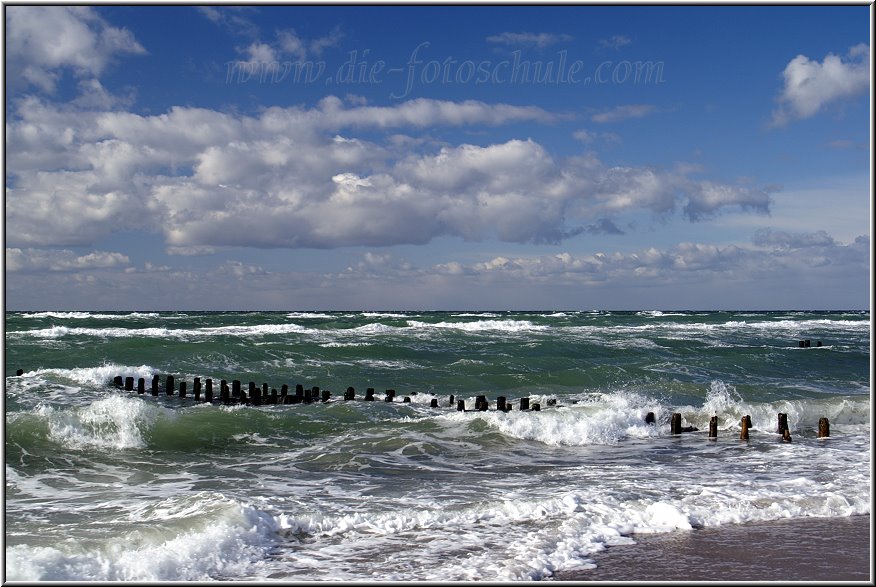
(103, 483)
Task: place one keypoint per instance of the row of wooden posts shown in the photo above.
(259, 396)
(254, 395)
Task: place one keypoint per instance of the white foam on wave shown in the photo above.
(297, 315)
(195, 537)
(114, 422)
(89, 315)
(94, 376)
(161, 332)
(482, 325)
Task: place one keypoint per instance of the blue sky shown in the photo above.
(437, 157)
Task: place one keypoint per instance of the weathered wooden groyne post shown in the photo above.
(350, 394)
(208, 390)
(713, 428)
(369, 394)
(675, 424)
(650, 418)
(524, 403)
(783, 427)
(141, 386)
(743, 429)
(823, 428)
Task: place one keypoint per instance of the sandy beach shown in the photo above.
(810, 549)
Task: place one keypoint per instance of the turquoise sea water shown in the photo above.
(107, 484)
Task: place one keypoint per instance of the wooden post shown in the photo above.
(390, 393)
(823, 428)
(155, 382)
(182, 389)
(524, 403)
(460, 405)
(801, 344)
(552, 401)
(326, 394)
(783, 423)
(19, 372)
(536, 407)
(433, 403)
(223, 392)
(451, 400)
(208, 391)
(118, 381)
(252, 388)
(650, 418)
(369, 394)
(786, 435)
(818, 343)
(500, 403)
(675, 424)
(235, 388)
(407, 400)
(743, 428)
(713, 428)
(196, 387)
(264, 390)
(748, 422)
(129, 384)
(168, 384)
(141, 386)
(351, 394)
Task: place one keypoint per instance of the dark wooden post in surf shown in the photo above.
(182, 389)
(129, 384)
(264, 390)
(349, 394)
(223, 392)
(783, 423)
(155, 383)
(460, 405)
(208, 391)
(407, 399)
(524, 403)
(433, 403)
(713, 428)
(369, 394)
(536, 407)
(481, 403)
(675, 424)
(196, 388)
(168, 385)
(252, 388)
(141, 386)
(743, 429)
(500, 403)
(118, 381)
(326, 394)
(19, 372)
(823, 428)
(786, 435)
(650, 418)
(451, 400)
(275, 397)
(390, 393)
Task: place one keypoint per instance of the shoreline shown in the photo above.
(797, 549)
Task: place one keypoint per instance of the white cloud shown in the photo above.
(810, 85)
(619, 113)
(43, 41)
(540, 40)
(297, 177)
(61, 260)
(615, 41)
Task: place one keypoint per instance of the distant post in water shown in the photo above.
(460, 405)
(350, 394)
(524, 403)
(141, 386)
(433, 403)
(713, 428)
(675, 424)
(182, 389)
(783, 423)
(823, 428)
(743, 430)
(500, 403)
(155, 383)
(168, 383)
(369, 394)
(129, 384)
(650, 418)
(208, 391)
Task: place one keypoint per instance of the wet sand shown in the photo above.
(810, 549)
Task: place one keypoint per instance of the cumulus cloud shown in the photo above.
(61, 260)
(540, 40)
(300, 177)
(44, 41)
(619, 113)
(614, 42)
(809, 85)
